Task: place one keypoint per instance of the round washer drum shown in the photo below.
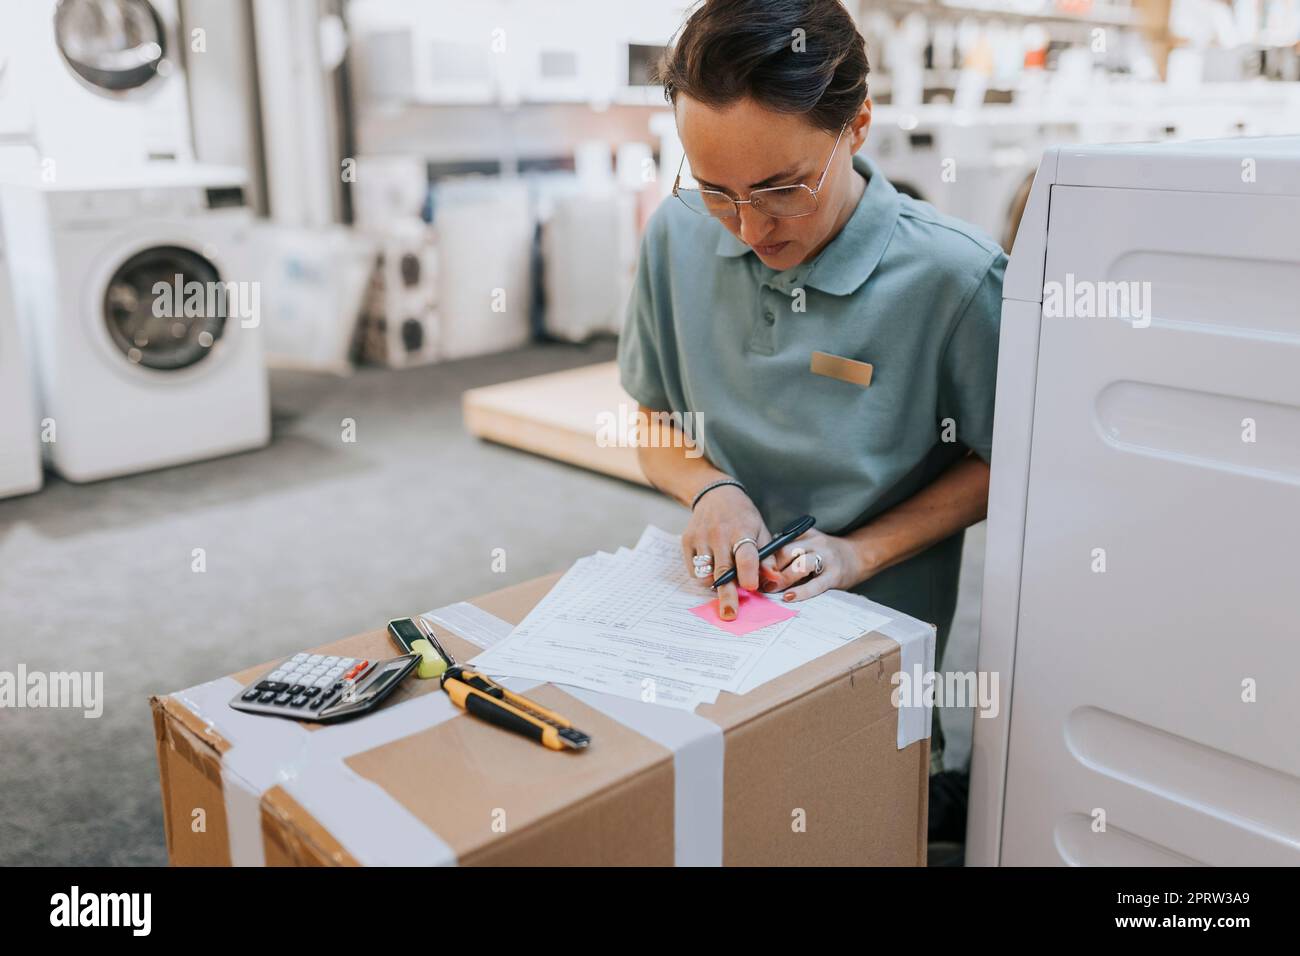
(115, 46)
(149, 330)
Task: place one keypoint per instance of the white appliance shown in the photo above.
(553, 60)
(641, 32)
(141, 300)
(485, 240)
(1139, 591)
(635, 63)
(314, 288)
(589, 262)
(401, 321)
(104, 80)
(969, 165)
(431, 53)
(20, 457)
(388, 189)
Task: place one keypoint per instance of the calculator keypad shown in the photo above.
(305, 682)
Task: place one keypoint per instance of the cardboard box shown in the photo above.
(811, 773)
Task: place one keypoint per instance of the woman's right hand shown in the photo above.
(721, 518)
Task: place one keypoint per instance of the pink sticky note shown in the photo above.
(755, 611)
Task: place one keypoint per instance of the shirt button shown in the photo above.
(769, 317)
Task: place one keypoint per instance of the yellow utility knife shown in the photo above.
(481, 696)
(478, 694)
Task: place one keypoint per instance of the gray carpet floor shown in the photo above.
(307, 540)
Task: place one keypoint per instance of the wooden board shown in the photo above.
(570, 416)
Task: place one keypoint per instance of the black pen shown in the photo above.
(795, 528)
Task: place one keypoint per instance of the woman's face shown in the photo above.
(744, 146)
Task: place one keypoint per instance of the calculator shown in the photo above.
(320, 687)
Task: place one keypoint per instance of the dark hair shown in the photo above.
(730, 49)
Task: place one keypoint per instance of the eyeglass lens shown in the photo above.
(778, 202)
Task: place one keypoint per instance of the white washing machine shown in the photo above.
(20, 457)
(904, 149)
(1144, 513)
(140, 300)
(104, 80)
(974, 166)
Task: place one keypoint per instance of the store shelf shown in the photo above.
(1114, 16)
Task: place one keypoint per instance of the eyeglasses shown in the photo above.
(778, 202)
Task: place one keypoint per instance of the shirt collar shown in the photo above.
(849, 258)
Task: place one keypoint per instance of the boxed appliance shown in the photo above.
(814, 767)
(316, 280)
(400, 324)
(485, 228)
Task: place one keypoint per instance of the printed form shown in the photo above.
(623, 624)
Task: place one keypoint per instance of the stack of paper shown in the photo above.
(636, 625)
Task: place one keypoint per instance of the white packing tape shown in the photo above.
(916, 641)
(472, 623)
(310, 766)
(243, 820)
(698, 754)
(696, 745)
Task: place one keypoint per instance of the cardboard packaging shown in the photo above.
(810, 774)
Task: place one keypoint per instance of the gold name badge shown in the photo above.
(844, 369)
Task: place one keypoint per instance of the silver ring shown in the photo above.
(704, 570)
(819, 567)
(702, 559)
(735, 547)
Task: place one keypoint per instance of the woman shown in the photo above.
(834, 342)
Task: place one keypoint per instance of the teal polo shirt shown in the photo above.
(713, 332)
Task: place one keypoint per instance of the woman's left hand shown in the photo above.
(794, 568)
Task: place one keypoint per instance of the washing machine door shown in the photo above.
(164, 308)
(113, 45)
